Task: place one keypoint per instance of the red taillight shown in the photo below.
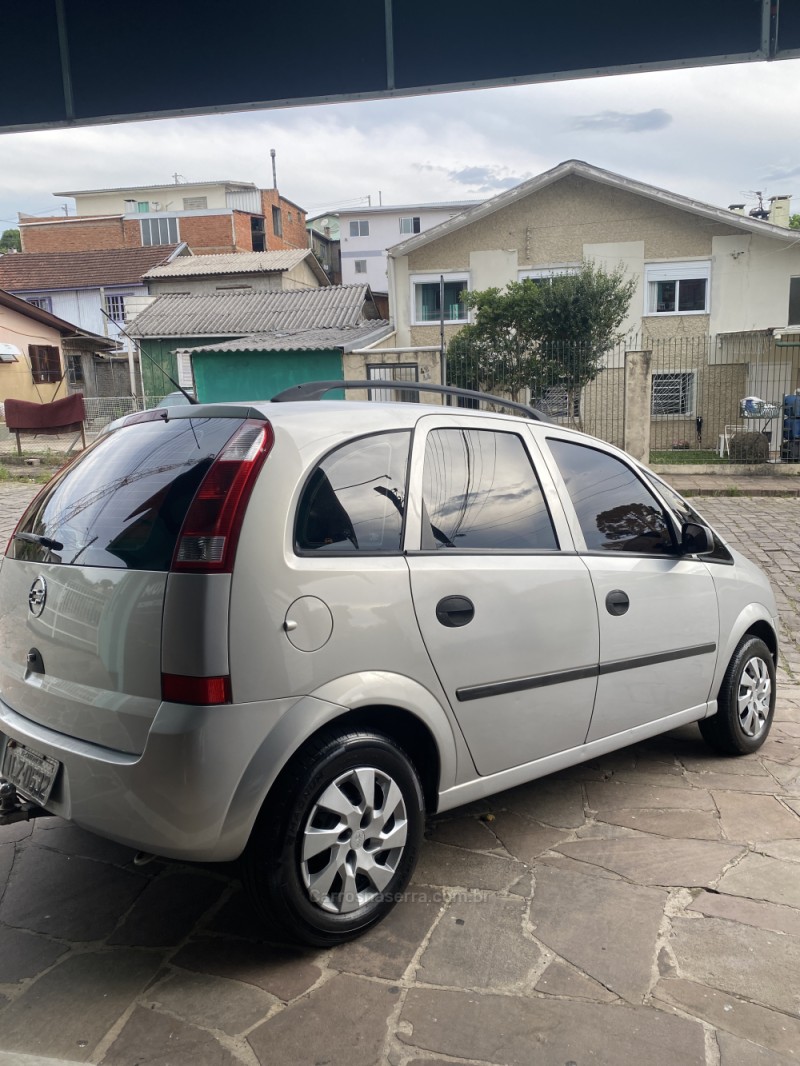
(207, 541)
(205, 691)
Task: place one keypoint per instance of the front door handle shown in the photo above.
(455, 611)
(617, 602)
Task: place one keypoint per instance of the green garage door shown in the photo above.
(260, 375)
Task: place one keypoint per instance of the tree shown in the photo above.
(794, 221)
(10, 242)
(542, 334)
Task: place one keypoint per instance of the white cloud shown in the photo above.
(715, 134)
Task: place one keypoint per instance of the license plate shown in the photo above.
(33, 774)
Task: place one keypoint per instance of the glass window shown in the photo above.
(159, 231)
(677, 288)
(195, 203)
(615, 510)
(44, 303)
(361, 266)
(143, 206)
(794, 302)
(359, 228)
(277, 222)
(122, 502)
(428, 301)
(672, 394)
(480, 492)
(409, 225)
(74, 369)
(45, 363)
(355, 499)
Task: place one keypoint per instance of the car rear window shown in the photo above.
(122, 502)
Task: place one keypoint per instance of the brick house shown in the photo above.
(210, 217)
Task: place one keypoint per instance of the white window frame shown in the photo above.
(687, 388)
(44, 303)
(185, 375)
(360, 266)
(148, 224)
(687, 271)
(359, 227)
(415, 280)
(195, 203)
(410, 224)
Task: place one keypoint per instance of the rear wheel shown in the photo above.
(336, 845)
(746, 702)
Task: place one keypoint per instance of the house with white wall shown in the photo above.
(365, 233)
(699, 269)
(707, 278)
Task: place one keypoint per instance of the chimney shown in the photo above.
(779, 210)
(736, 208)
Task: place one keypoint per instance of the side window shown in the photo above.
(355, 498)
(615, 510)
(481, 492)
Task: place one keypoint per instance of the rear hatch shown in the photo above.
(83, 582)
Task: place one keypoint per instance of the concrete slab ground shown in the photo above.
(641, 909)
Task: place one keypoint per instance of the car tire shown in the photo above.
(746, 701)
(314, 868)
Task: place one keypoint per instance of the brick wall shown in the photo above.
(68, 235)
(293, 221)
(243, 231)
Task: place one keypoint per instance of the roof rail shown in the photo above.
(315, 390)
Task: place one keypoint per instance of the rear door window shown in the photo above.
(480, 493)
(354, 500)
(121, 504)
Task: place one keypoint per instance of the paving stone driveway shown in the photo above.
(641, 909)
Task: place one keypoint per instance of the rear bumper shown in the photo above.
(192, 794)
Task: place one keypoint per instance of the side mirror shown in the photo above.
(696, 539)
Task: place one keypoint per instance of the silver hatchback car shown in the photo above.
(288, 631)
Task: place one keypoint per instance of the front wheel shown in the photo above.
(335, 846)
(746, 702)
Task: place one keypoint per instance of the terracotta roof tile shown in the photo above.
(37, 271)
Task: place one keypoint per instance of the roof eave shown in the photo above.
(606, 177)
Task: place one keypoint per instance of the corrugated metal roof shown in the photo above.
(231, 263)
(237, 314)
(38, 271)
(163, 185)
(306, 340)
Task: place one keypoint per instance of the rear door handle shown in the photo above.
(455, 611)
(617, 602)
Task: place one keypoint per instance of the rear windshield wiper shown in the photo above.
(37, 538)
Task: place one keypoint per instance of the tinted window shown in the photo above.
(355, 498)
(480, 491)
(615, 510)
(122, 502)
(686, 513)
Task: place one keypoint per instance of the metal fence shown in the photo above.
(723, 398)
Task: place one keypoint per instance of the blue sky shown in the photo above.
(716, 134)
